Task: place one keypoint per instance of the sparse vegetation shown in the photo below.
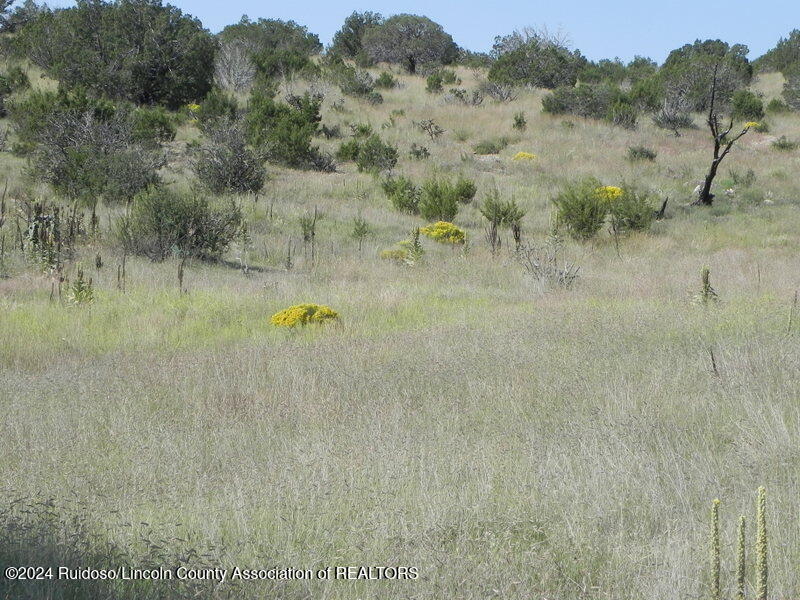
(525, 374)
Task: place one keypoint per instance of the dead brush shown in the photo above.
(546, 263)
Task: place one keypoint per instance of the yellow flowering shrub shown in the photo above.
(193, 108)
(444, 232)
(608, 193)
(303, 314)
(750, 124)
(524, 156)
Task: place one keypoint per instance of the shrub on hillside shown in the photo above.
(465, 189)
(402, 193)
(370, 154)
(533, 60)
(673, 119)
(494, 146)
(386, 81)
(640, 153)
(581, 209)
(351, 81)
(87, 158)
(284, 131)
(601, 101)
(225, 163)
(776, 105)
(433, 84)
(746, 106)
(376, 155)
(163, 222)
(784, 144)
(153, 124)
(216, 105)
(31, 114)
(439, 200)
(13, 80)
(418, 152)
(632, 210)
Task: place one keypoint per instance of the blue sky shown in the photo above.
(599, 28)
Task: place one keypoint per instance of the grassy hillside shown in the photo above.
(508, 439)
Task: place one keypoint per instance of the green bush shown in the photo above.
(746, 106)
(600, 101)
(631, 211)
(376, 155)
(580, 209)
(350, 80)
(361, 130)
(465, 189)
(647, 94)
(639, 153)
(402, 193)
(14, 80)
(536, 62)
(370, 153)
(284, 131)
(433, 84)
(225, 163)
(491, 146)
(386, 81)
(438, 200)
(216, 105)
(163, 222)
(32, 113)
(153, 124)
(776, 105)
(520, 123)
(419, 152)
(449, 77)
(85, 158)
(784, 144)
(348, 150)
(623, 114)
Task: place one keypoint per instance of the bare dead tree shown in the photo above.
(722, 144)
(233, 65)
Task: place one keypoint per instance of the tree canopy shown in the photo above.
(784, 55)
(138, 50)
(348, 42)
(411, 41)
(534, 59)
(690, 69)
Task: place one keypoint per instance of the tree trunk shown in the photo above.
(706, 198)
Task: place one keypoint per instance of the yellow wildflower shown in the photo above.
(193, 108)
(750, 124)
(608, 193)
(524, 156)
(444, 232)
(303, 314)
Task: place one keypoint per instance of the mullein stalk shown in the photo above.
(740, 558)
(761, 545)
(715, 559)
